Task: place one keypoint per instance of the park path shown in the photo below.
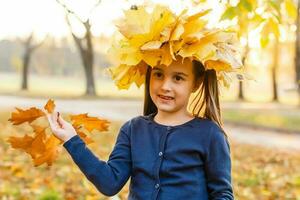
(124, 109)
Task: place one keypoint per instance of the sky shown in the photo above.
(19, 18)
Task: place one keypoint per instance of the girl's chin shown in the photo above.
(165, 108)
(164, 104)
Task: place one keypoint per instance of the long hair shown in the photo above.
(204, 102)
(149, 106)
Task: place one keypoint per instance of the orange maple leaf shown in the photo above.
(50, 153)
(50, 106)
(38, 144)
(21, 142)
(82, 135)
(28, 115)
(90, 123)
(31, 145)
(43, 148)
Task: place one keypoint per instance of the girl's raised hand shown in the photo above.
(60, 128)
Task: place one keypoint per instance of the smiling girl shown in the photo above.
(169, 152)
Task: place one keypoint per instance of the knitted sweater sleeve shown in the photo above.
(218, 166)
(108, 177)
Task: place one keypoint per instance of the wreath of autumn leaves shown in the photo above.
(158, 37)
(43, 147)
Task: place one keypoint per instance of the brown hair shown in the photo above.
(205, 100)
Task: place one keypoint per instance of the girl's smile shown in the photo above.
(165, 98)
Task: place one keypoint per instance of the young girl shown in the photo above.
(169, 152)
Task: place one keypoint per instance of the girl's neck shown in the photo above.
(172, 119)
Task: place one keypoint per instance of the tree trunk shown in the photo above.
(26, 61)
(87, 58)
(274, 70)
(89, 77)
(85, 47)
(241, 91)
(90, 87)
(29, 48)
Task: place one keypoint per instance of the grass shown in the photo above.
(74, 87)
(265, 118)
(65, 87)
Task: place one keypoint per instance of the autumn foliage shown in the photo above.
(42, 145)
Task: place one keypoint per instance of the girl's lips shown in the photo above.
(165, 97)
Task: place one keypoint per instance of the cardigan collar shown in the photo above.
(150, 120)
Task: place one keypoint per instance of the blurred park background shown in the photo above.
(57, 49)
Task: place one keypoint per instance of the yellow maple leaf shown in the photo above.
(152, 57)
(166, 58)
(152, 45)
(135, 22)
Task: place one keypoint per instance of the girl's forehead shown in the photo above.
(178, 65)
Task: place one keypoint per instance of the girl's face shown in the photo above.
(171, 86)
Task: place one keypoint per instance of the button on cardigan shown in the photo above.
(190, 161)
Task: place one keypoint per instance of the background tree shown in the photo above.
(247, 19)
(268, 17)
(277, 14)
(84, 45)
(29, 48)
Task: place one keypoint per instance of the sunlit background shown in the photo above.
(41, 58)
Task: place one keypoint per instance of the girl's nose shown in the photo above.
(166, 85)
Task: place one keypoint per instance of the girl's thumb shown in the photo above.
(49, 120)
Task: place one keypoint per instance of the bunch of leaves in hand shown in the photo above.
(43, 147)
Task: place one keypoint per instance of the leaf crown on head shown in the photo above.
(160, 36)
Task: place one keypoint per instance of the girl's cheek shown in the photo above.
(154, 83)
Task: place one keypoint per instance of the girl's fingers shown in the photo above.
(60, 121)
(53, 121)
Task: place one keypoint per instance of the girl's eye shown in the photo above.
(157, 74)
(178, 78)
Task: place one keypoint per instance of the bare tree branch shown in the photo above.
(33, 47)
(69, 11)
(94, 7)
